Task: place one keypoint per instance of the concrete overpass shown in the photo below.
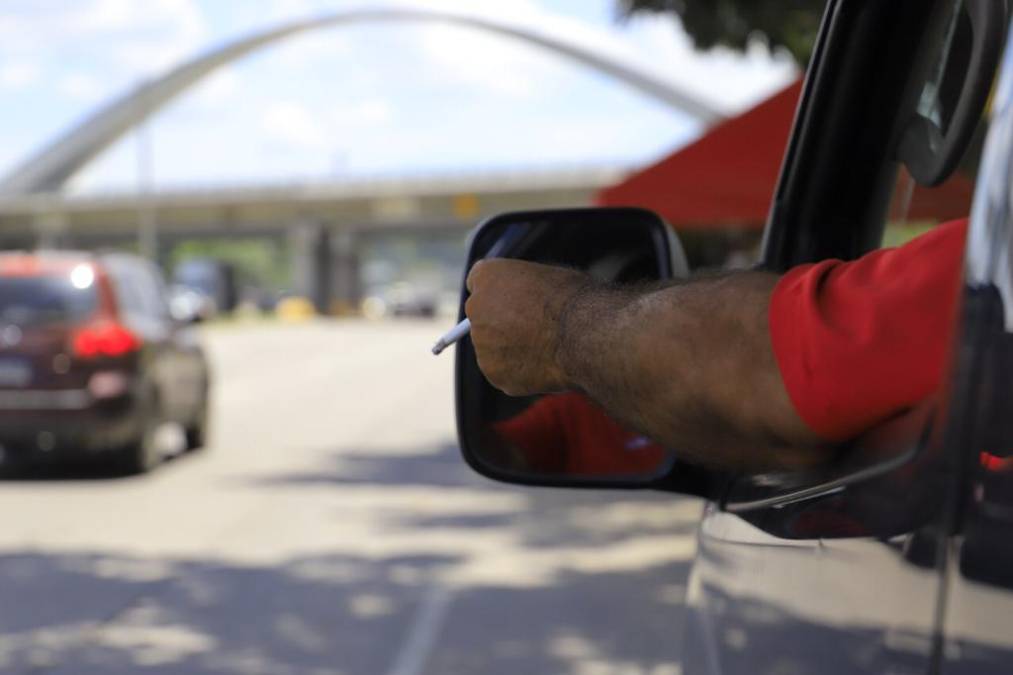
(322, 223)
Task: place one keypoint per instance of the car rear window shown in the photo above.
(33, 300)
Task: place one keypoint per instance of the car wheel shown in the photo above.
(143, 454)
(197, 433)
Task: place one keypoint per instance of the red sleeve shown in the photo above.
(859, 342)
(537, 432)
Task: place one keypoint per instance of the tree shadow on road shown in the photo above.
(102, 613)
(434, 466)
(536, 581)
(548, 518)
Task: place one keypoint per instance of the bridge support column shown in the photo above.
(311, 264)
(346, 289)
(50, 230)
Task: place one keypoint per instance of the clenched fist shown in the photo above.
(515, 309)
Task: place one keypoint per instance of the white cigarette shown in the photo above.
(452, 336)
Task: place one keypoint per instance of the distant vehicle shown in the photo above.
(216, 279)
(189, 304)
(92, 364)
(405, 299)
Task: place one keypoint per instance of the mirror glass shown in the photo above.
(564, 437)
(568, 435)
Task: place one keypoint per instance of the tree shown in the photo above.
(783, 24)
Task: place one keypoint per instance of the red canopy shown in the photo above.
(727, 177)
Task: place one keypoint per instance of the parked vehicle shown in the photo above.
(188, 304)
(411, 300)
(897, 556)
(92, 365)
(216, 280)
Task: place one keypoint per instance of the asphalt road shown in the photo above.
(331, 528)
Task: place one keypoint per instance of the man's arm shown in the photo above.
(688, 364)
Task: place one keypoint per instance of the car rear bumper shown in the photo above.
(60, 400)
(66, 422)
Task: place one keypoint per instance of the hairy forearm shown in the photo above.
(689, 364)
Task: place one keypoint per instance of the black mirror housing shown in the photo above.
(936, 138)
(566, 440)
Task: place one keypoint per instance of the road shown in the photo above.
(331, 528)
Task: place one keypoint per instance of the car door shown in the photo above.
(977, 606)
(847, 571)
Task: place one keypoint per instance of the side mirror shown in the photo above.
(566, 439)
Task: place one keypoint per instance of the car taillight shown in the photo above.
(104, 339)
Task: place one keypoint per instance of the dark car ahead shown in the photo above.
(92, 365)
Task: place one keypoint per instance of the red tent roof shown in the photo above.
(727, 177)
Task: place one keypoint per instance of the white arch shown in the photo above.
(51, 167)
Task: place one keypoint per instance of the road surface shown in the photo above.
(332, 528)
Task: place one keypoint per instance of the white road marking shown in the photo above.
(425, 629)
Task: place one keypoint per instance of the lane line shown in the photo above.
(425, 629)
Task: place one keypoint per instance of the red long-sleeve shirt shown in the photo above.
(862, 341)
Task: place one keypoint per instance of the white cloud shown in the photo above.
(179, 18)
(120, 36)
(292, 123)
(17, 75)
(81, 87)
(313, 48)
(370, 113)
(156, 34)
(482, 63)
(486, 62)
(288, 9)
(295, 124)
(730, 80)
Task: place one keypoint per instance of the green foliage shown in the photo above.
(900, 234)
(258, 260)
(783, 24)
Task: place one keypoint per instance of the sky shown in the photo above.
(358, 100)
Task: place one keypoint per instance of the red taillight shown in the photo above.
(104, 339)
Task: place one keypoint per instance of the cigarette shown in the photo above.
(452, 336)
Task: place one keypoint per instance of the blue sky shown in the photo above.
(362, 99)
